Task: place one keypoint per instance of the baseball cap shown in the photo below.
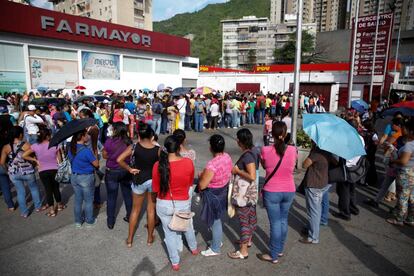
(31, 107)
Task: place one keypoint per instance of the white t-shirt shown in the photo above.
(352, 162)
(31, 123)
(214, 109)
(181, 105)
(288, 122)
(126, 112)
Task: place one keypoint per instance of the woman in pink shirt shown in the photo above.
(46, 161)
(279, 190)
(213, 182)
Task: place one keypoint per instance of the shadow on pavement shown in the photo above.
(368, 256)
(145, 267)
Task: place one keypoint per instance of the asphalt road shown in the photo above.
(366, 245)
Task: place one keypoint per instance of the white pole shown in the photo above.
(354, 38)
(398, 48)
(371, 87)
(297, 70)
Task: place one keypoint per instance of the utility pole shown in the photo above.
(354, 38)
(371, 87)
(297, 70)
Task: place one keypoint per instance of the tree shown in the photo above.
(251, 57)
(286, 54)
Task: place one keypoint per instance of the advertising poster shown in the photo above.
(12, 82)
(96, 66)
(53, 73)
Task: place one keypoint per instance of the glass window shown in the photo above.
(137, 65)
(167, 67)
(53, 53)
(11, 57)
(190, 65)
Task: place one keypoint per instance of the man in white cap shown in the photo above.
(30, 121)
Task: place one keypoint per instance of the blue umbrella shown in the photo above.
(180, 91)
(404, 110)
(146, 90)
(160, 87)
(42, 88)
(333, 135)
(359, 105)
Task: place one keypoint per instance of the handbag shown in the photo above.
(180, 220)
(244, 193)
(65, 169)
(231, 211)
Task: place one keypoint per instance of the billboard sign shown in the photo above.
(12, 81)
(53, 73)
(99, 66)
(364, 47)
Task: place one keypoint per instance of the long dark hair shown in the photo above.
(145, 131)
(245, 138)
(44, 133)
(279, 130)
(171, 145)
(121, 132)
(180, 135)
(75, 139)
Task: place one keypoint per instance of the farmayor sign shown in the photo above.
(27, 20)
(49, 23)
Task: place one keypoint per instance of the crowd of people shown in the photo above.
(122, 151)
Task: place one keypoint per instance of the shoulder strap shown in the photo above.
(19, 147)
(275, 169)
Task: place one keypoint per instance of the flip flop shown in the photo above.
(237, 256)
(394, 222)
(61, 207)
(266, 258)
(51, 214)
(128, 244)
(41, 209)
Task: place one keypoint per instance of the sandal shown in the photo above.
(51, 214)
(12, 209)
(266, 258)
(128, 243)
(24, 215)
(41, 209)
(149, 243)
(393, 221)
(237, 255)
(61, 207)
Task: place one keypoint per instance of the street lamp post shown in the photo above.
(297, 71)
(354, 38)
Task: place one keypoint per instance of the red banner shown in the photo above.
(364, 47)
(27, 20)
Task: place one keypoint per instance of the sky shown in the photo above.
(161, 9)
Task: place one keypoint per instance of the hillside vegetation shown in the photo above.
(206, 28)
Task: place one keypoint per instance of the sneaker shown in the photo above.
(78, 225)
(90, 225)
(209, 253)
(209, 243)
(195, 252)
(235, 127)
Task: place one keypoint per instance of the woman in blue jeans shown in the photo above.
(172, 176)
(279, 189)
(116, 176)
(83, 163)
(20, 171)
(213, 182)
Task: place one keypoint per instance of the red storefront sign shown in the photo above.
(364, 47)
(27, 20)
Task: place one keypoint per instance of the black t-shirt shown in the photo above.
(144, 160)
(247, 158)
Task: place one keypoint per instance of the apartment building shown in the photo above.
(280, 8)
(251, 41)
(403, 11)
(133, 13)
(330, 15)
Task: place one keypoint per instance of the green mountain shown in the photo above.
(205, 25)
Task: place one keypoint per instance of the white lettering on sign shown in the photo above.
(48, 22)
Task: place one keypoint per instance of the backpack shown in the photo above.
(357, 173)
(199, 107)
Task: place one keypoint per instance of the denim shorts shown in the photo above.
(141, 189)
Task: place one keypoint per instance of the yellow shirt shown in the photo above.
(268, 102)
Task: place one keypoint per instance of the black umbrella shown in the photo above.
(180, 91)
(69, 129)
(99, 92)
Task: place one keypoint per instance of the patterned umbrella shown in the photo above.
(204, 90)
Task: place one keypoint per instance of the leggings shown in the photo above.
(51, 186)
(248, 220)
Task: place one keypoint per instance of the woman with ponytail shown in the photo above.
(172, 176)
(143, 156)
(279, 189)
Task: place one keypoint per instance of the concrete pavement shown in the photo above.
(367, 245)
